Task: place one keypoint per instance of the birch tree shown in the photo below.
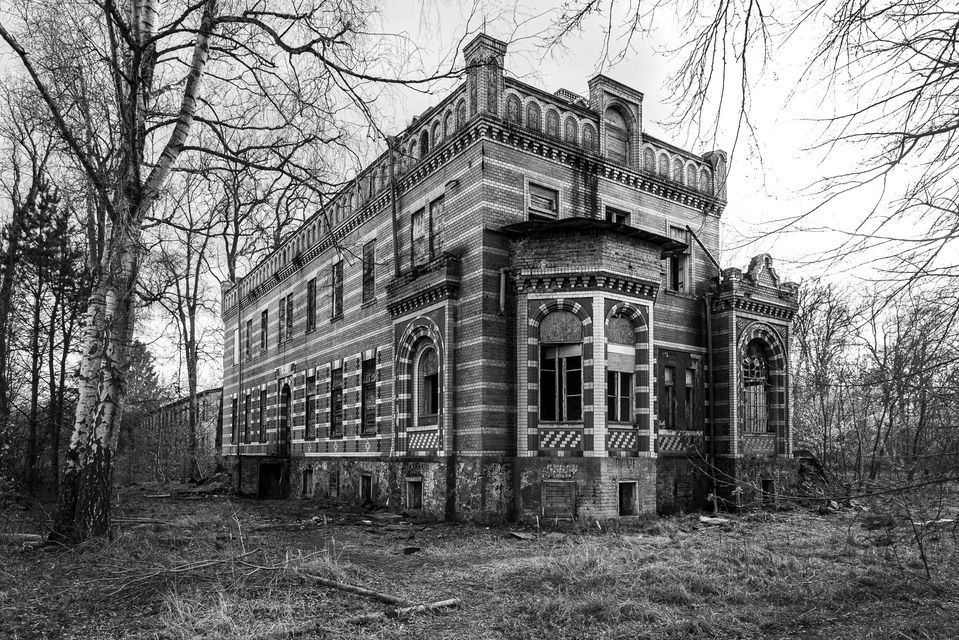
(122, 83)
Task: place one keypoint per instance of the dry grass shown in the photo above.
(220, 568)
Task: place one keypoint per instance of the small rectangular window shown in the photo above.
(420, 238)
(311, 305)
(627, 498)
(368, 397)
(669, 397)
(369, 270)
(617, 215)
(310, 422)
(689, 398)
(543, 202)
(561, 383)
(336, 290)
(414, 494)
(619, 392)
(336, 403)
(262, 415)
(264, 329)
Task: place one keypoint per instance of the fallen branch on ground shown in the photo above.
(403, 612)
(326, 582)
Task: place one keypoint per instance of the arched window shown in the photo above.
(678, 170)
(617, 136)
(561, 368)
(589, 137)
(570, 126)
(664, 165)
(435, 132)
(448, 125)
(424, 144)
(649, 160)
(706, 181)
(460, 113)
(533, 118)
(620, 367)
(426, 392)
(754, 394)
(513, 108)
(552, 124)
(691, 181)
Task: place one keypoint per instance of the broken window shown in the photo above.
(543, 202)
(561, 382)
(420, 238)
(678, 276)
(688, 398)
(617, 215)
(669, 397)
(246, 418)
(755, 389)
(368, 397)
(336, 403)
(627, 498)
(619, 396)
(428, 387)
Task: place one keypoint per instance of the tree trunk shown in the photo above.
(36, 366)
(10, 257)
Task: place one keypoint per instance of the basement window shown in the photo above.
(414, 493)
(308, 482)
(366, 489)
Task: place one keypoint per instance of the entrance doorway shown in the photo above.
(273, 481)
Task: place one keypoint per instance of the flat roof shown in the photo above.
(669, 246)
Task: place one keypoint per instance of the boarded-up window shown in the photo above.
(617, 136)
(559, 499)
(543, 202)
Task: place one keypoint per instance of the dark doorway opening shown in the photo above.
(366, 489)
(627, 498)
(272, 484)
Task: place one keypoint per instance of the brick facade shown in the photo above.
(542, 282)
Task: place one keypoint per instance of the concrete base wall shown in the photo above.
(589, 487)
(753, 481)
(682, 484)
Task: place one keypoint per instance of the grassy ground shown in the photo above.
(221, 567)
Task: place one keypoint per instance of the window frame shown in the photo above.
(264, 329)
(247, 345)
(261, 415)
(534, 212)
(336, 290)
(669, 397)
(311, 305)
(425, 241)
(613, 212)
(336, 402)
(678, 272)
(368, 397)
(369, 271)
(309, 422)
(561, 374)
(620, 383)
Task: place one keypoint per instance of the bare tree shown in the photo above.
(122, 84)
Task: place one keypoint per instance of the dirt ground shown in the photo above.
(226, 567)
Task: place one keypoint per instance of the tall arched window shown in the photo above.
(552, 124)
(589, 137)
(755, 389)
(678, 170)
(649, 160)
(436, 133)
(691, 176)
(426, 392)
(561, 368)
(664, 165)
(424, 143)
(460, 113)
(448, 125)
(617, 136)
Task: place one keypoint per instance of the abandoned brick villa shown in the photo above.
(513, 312)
